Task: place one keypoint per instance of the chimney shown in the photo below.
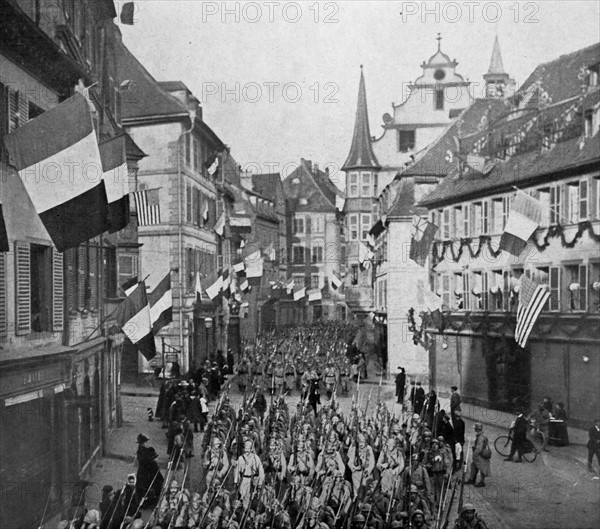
(327, 171)
(316, 167)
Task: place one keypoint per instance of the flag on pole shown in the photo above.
(220, 225)
(244, 285)
(299, 293)
(423, 233)
(289, 287)
(315, 295)
(57, 157)
(130, 285)
(364, 255)
(225, 284)
(198, 287)
(336, 280)
(147, 206)
(239, 267)
(214, 286)
(114, 168)
(524, 218)
(254, 265)
(212, 164)
(161, 304)
(205, 211)
(133, 316)
(532, 298)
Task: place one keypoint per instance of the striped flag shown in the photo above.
(147, 206)
(244, 285)
(133, 316)
(523, 219)
(315, 295)
(336, 280)
(57, 157)
(130, 285)
(423, 233)
(289, 287)
(198, 287)
(364, 255)
(299, 293)
(161, 304)
(532, 298)
(239, 267)
(215, 284)
(114, 168)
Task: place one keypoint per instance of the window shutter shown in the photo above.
(583, 287)
(308, 226)
(189, 204)
(4, 113)
(23, 109)
(70, 256)
(212, 212)
(13, 109)
(81, 278)
(57, 291)
(3, 315)
(22, 288)
(554, 288)
(93, 275)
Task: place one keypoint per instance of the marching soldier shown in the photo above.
(216, 462)
(390, 464)
(361, 461)
(249, 473)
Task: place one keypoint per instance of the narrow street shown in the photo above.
(554, 492)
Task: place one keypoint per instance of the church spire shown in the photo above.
(361, 154)
(496, 66)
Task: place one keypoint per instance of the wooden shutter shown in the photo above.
(3, 309)
(583, 287)
(13, 108)
(71, 278)
(23, 108)
(93, 275)
(554, 300)
(22, 288)
(58, 291)
(4, 114)
(82, 299)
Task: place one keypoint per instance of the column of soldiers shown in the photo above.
(268, 467)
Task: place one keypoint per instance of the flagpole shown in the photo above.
(105, 319)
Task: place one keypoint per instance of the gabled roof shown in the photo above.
(268, 185)
(145, 97)
(562, 77)
(361, 152)
(302, 184)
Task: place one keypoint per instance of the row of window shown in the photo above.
(359, 225)
(364, 184)
(564, 203)
(572, 288)
(308, 224)
(200, 209)
(308, 281)
(196, 154)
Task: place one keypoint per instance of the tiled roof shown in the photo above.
(561, 78)
(145, 97)
(361, 152)
(267, 185)
(435, 160)
(569, 152)
(404, 203)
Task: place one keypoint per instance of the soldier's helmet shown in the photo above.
(467, 507)
(413, 488)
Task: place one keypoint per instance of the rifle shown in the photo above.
(447, 517)
(462, 477)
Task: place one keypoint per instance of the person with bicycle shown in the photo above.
(518, 434)
(541, 422)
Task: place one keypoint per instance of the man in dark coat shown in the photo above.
(593, 444)
(455, 401)
(519, 437)
(419, 399)
(400, 383)
(459, 437)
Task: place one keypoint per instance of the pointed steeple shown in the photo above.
(361, 154)
(496, 66)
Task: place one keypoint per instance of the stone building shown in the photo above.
(544, 141)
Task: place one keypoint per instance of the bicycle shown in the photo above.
(529, 450)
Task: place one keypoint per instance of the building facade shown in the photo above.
(59, 367)
(544, 142)
(314, 242)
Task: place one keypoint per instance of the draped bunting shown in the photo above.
(442, 249)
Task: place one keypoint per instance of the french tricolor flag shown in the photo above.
(57, 157)
(114, 167)
(133, 316)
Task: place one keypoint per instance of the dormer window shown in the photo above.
(406, 140)
(594, 77)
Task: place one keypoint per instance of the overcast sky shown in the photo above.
(279, 80)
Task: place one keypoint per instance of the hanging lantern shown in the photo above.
(596, 285)
(494, 289)
(574, 287)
